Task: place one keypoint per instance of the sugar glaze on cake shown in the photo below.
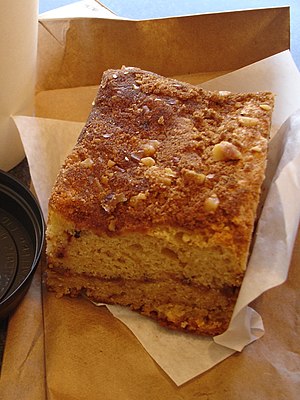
(155, 207)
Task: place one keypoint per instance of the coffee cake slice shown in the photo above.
(155, 207)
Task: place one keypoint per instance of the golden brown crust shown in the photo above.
(147, 157)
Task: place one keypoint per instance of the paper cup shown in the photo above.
(18, 49)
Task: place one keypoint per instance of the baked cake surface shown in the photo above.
(155, 207)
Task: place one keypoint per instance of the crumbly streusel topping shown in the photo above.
(156, 151)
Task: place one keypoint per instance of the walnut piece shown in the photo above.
(211, 203)
(247, 121)
(87, 163)
(148, 161)
(110, 163)
(193, 175)
(149, 148)
(265, 107)
(225, 151)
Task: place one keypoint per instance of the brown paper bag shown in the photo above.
(76, 52)
(84, 359)
(105, 361)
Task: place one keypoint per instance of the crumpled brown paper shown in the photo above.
(85, 359)
(114, 365)
(182, 356)
(78, 50)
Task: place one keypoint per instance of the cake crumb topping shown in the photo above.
(163, 152)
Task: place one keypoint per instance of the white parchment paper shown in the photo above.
(47, 142)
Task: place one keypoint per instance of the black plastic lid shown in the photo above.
(22, 232)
